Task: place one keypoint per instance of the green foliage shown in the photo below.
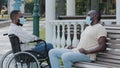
(42, 33)
(29, 4)
(80, 1)
(28, 1)
(80, 7)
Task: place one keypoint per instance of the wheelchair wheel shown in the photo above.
(5, 58)
(23, 60)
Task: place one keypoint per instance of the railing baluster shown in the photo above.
(75, 40)
(54, 35)
(68, 34)
(58, 35)
(63, 36)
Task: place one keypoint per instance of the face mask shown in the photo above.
(88, 21)
(22, 20)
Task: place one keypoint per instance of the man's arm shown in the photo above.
(101, 47)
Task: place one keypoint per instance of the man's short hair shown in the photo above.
(13, 14)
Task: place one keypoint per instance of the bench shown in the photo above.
(109, 58)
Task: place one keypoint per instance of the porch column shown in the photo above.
(10, 5)
(118, 12)
(70, 8)
(50, 15)
(22, 6)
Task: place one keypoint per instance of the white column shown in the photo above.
(70, 8)
(10, 5)
(22, 6)
(50, 15)
(118, 12)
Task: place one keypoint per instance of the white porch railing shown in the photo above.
(67, 32)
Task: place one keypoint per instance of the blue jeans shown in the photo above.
(68, 57)
(40, 47)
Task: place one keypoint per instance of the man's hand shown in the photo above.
(70, 47)
(81, 50)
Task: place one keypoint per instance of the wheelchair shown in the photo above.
(24, 59)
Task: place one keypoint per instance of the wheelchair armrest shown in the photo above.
(5, 34)
(40, 40)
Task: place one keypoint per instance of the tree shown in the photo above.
(95, 5)
(28, 1)
(81, 7)
(1, 3)
(60, 7)
(29, 4)
(42, 7)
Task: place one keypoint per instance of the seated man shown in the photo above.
(15, 28)
(93, 40)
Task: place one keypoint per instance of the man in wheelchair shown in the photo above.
(17, 21)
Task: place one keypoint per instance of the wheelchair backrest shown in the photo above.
(15, 43)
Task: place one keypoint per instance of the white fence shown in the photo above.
(67, 32)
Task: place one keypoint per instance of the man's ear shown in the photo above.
(95, 16)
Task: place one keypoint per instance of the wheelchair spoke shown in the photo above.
(21, 65)
(23, 60)
(16, 66)
(5, 58)
(28, 65)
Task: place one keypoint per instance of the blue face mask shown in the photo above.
(22, 20)
(88, 21)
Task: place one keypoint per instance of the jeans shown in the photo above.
(40, 47)
(68, 57)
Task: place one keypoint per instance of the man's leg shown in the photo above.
(41, 47)
(55, 54)
(69, 58)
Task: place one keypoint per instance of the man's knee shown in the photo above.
(49, 45)
(52, 52)
(65, 57)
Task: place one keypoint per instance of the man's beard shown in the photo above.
(18, 23)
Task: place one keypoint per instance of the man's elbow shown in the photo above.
(103, 48)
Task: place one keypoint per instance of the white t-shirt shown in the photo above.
(89, 38)
(23, 35)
